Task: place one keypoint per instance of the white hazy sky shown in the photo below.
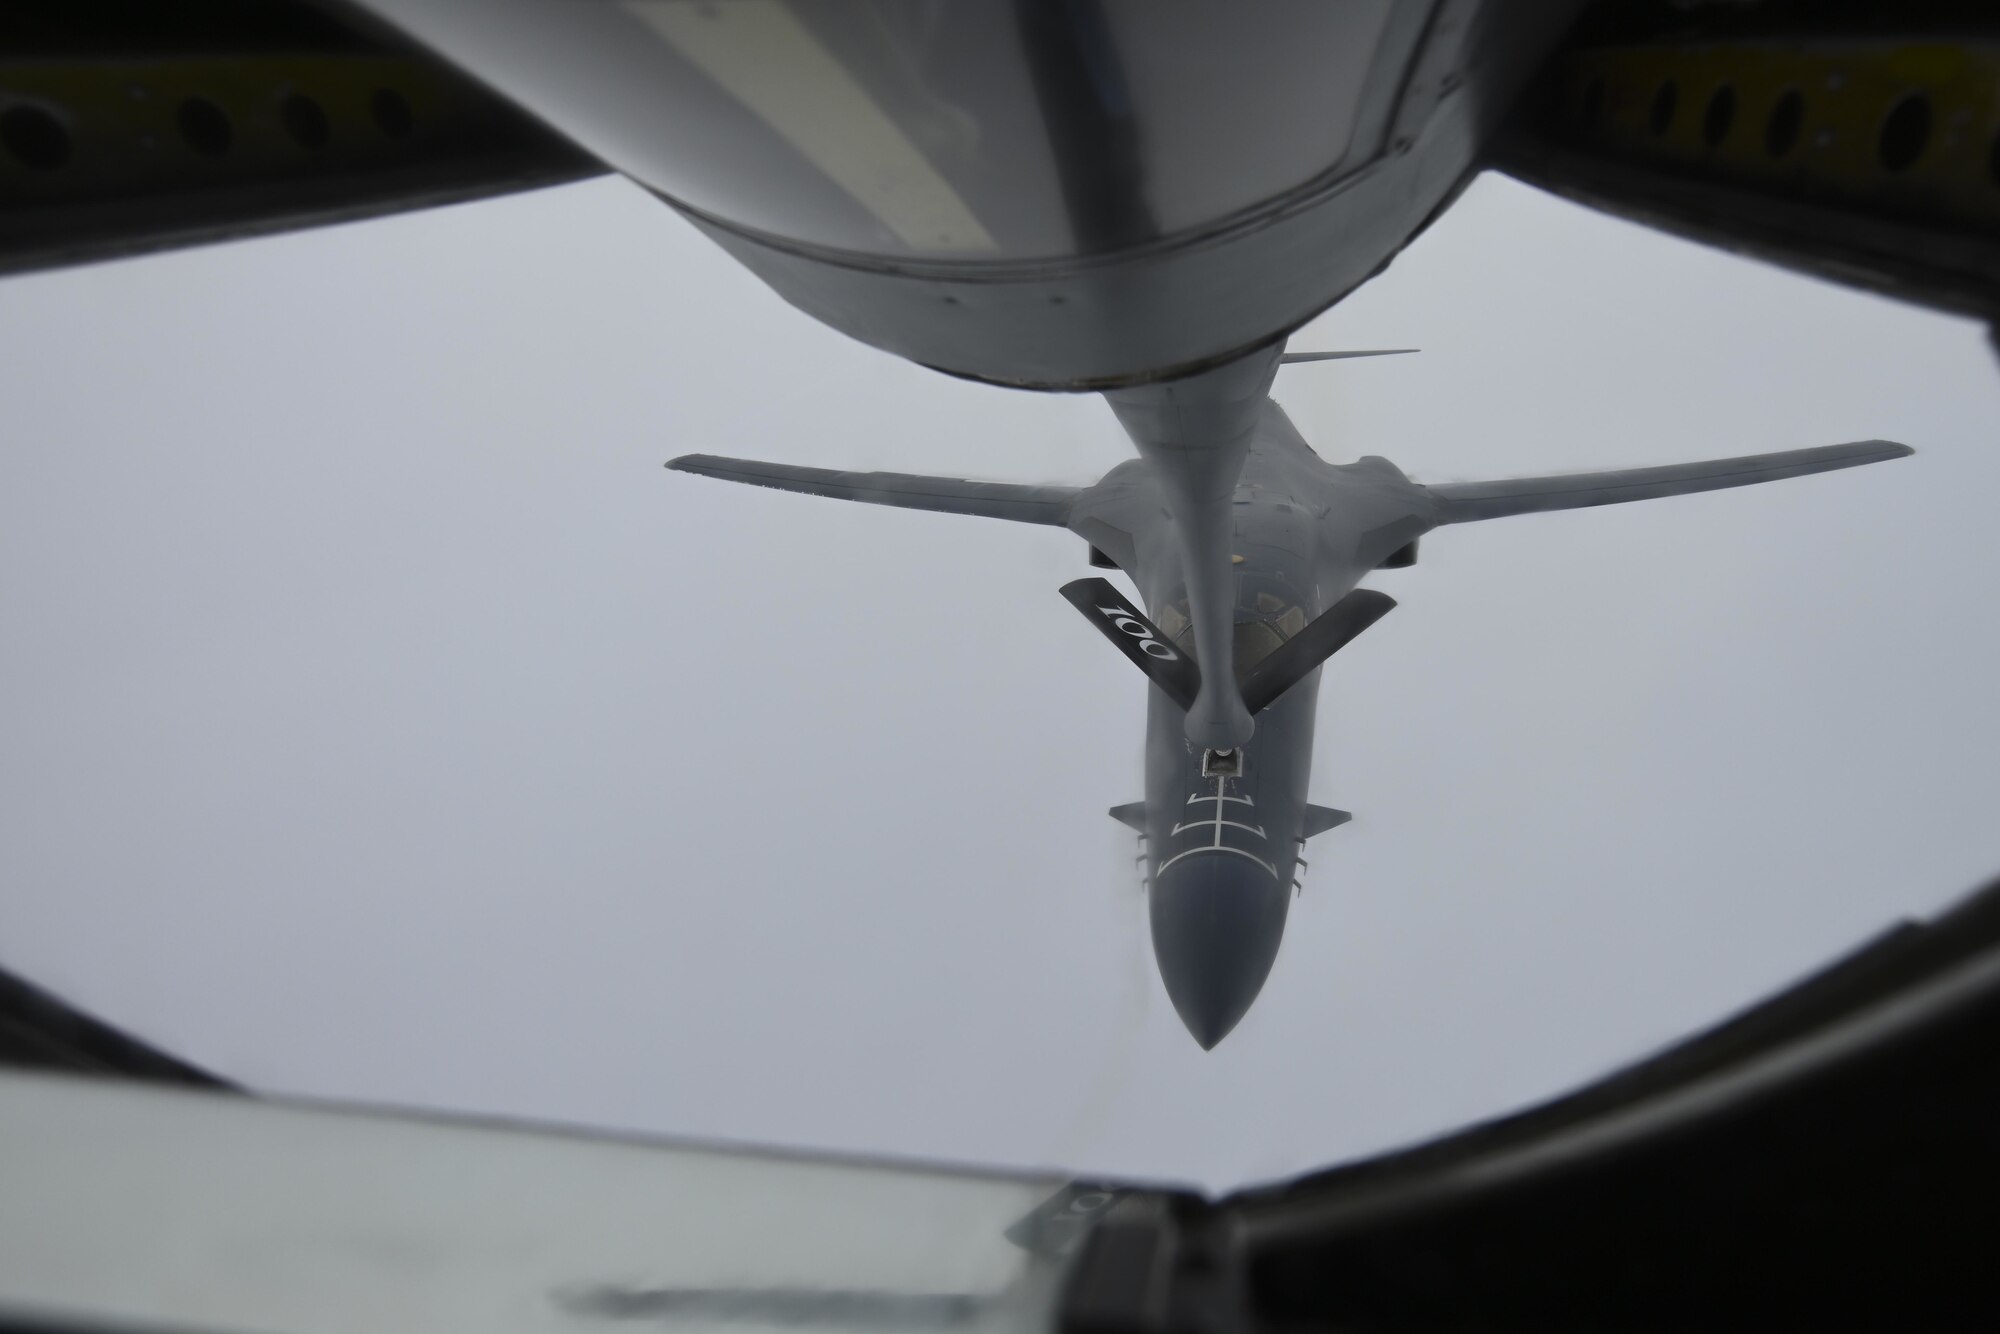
(379, 721)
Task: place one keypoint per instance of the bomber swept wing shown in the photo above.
(1463, 502)
(1286, 537)
(1458, 502)
(948, 495)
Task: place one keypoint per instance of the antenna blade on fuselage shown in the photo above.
(1137, 638)
(1296, 657)
(1294, 358)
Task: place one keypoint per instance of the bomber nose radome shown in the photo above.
(1217, 921)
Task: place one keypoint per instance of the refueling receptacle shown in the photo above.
(1222, 763)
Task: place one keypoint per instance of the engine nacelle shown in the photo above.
(1402, 558)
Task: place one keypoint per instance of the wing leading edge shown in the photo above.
(1463, 502)
(948, 495)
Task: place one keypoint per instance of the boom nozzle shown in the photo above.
(1219, 722)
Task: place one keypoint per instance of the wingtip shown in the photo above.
(1876, 451)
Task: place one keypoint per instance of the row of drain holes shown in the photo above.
(1904, 134)
(35, 138)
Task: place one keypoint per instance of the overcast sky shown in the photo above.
(379, 721)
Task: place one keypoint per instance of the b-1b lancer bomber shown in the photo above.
(1247, 549)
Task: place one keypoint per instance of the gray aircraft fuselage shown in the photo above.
(1222, 852)
(1246, 549)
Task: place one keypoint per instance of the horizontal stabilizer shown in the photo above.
(1137, 638)
(949, 495)
(1310, 647)
(1319, 819)
(1132, 815)
(1463, 502)
(1293, 358)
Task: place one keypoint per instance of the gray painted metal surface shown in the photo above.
(1050, 196)
(134, 1207)
(1240, 539)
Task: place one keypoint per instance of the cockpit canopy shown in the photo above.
(1260, 628)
